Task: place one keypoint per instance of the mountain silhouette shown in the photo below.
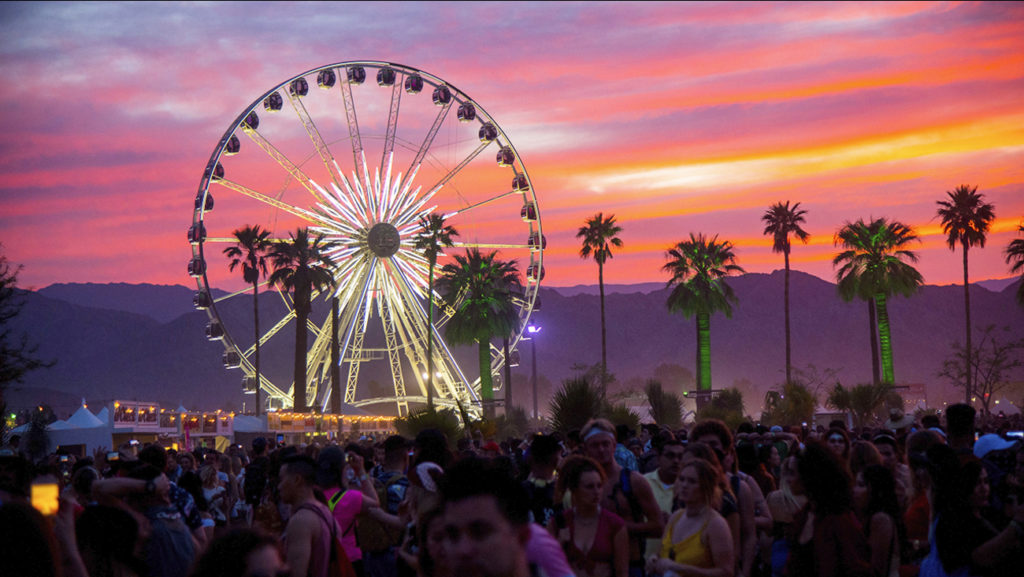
(147, 342)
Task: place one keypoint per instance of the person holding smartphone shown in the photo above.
(345, 505)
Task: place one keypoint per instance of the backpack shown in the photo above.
(339, 564)
(625, 485)
(372, 535)
(255, 480)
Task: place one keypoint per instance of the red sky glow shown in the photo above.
(674, 117)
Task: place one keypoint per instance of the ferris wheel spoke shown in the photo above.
(290, 167)
(353, 125)
(316, 359)
(391, 337)
(355, 355)
(272, 332)
(445, 353)
(321, 147)
(429, 139)
(488, 245)
(236, 293)
(389, 136)
(458, 168)
(283, 206)
(354, 330)
(469, 208)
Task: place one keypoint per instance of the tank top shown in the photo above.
(602, 548)
(689, 551)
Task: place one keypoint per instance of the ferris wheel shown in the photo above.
(359, 152)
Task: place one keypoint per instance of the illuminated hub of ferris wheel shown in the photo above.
(369, 217)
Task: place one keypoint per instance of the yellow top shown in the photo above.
(689, 551)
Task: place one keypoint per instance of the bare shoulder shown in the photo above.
(718, 528)
(304, 521)
(881, 522)
(641, 483)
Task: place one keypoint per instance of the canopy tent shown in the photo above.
(81, 428)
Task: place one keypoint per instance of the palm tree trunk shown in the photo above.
(486, 386)
(430, 337)
(604, 346)
(967, 313)
(256, 331)
(335, 358)
(704, 351)
(884, 338)
(789, 363)
(301, 318)
(508, 377)
(873, 338)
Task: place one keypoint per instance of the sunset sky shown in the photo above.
(674, 117)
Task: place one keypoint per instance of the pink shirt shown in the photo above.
(544, 551)
(345, 511)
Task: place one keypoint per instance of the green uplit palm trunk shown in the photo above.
(703, 352)
(486, 382)
(876, 371)
(884, 338)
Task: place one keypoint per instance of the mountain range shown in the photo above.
(147, 342)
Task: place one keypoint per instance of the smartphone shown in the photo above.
(133, 442)
(280, 439)
(63, 458)
(113, 456)
(44, 498)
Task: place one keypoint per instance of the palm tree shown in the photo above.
(1015, 258)
(698, 267)
(862, 401)
(434, 236)
(666, 408)
(966, 218)
(301, 265)
(793, 403)
(781, 221)
(250, 252)
(575, 403)
(872, 267)
(598, 234)
(481, 288)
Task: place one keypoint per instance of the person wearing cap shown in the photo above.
(995, 454)
(898, 421)
(490, 450)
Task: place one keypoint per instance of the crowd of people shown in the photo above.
(933, 498)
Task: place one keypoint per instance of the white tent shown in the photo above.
(81, 428)
(84, 419)
(1005, 407)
